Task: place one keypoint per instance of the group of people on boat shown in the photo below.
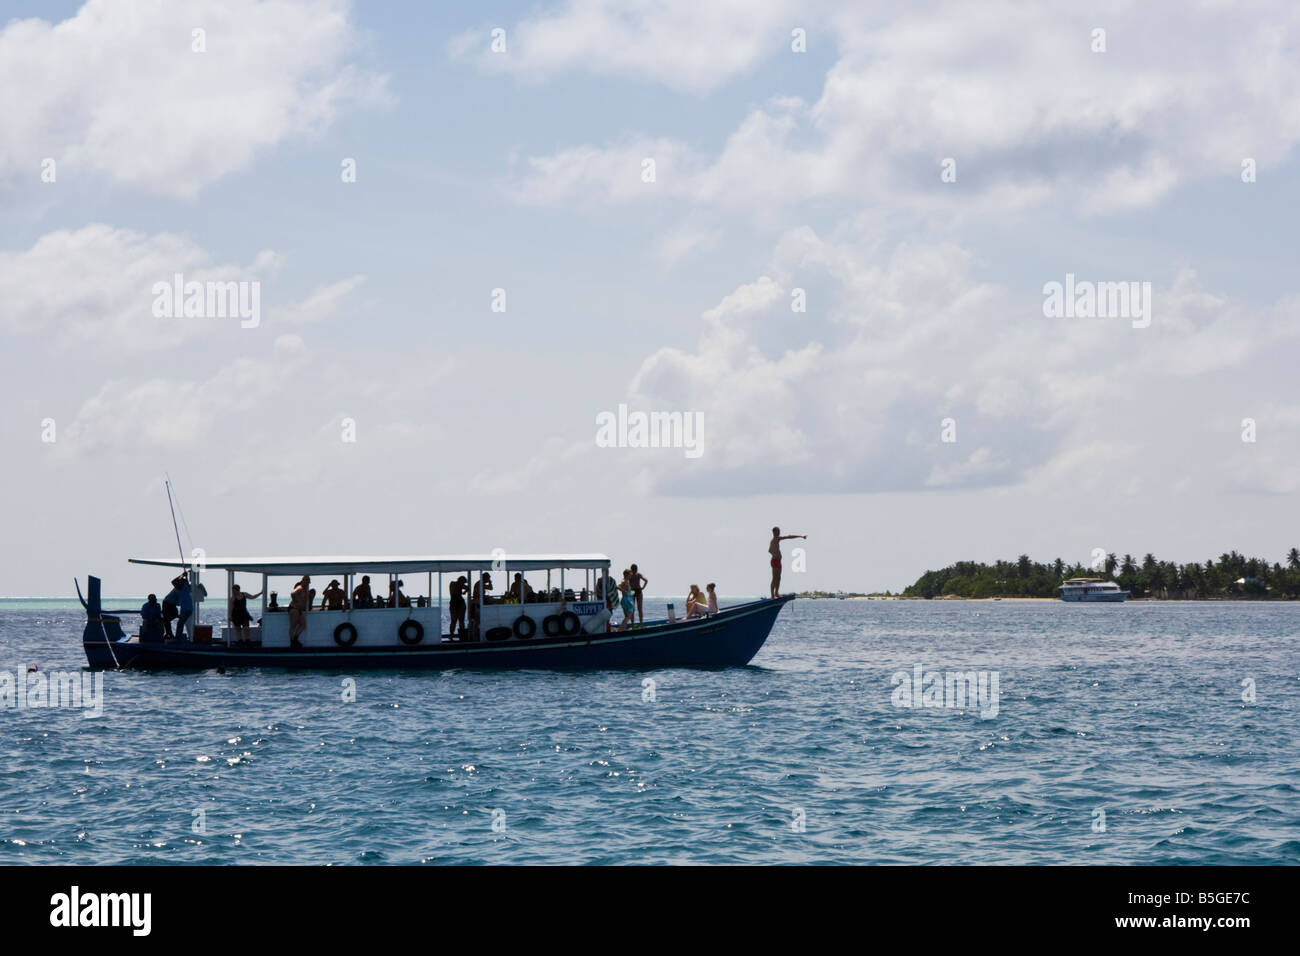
(628, 595)
(699, 604)
(466, 601)
(178, 605)
(303, 597)
(364, 598)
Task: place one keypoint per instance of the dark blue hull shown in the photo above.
(731, 639)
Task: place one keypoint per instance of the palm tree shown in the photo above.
(1293, 559)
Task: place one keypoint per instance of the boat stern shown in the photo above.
(103, 630)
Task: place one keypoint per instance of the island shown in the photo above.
(1233, 576)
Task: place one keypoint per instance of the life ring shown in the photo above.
(569, 624)
(551, 625)
(408, 626)
(498, 633)
(348, 629)
(524, 627)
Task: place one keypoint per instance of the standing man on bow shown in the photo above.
(774, 549)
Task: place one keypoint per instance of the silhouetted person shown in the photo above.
(459, 588)
(361, 596)
(333, 597)
(240, 619)
(151, 621)
(299, 603)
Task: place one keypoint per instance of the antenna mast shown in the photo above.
(167, 483)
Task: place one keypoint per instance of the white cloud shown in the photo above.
(117, 90)
(979, 465)
(1010, 91)
(685, 241)
(1086, 471)
(128, 415)
(268, 422)
(683, 44)
(851, 396)
(322, 304)
(591, 176)
(94, 288)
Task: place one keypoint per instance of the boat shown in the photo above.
(1092, 591)
(560, 627)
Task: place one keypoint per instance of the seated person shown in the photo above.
(713, 598)
(395, 596)
(271, 604)
(151, 621)
(695, 604)
(520, 590)
(361, 596)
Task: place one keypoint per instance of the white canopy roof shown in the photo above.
(343, 564)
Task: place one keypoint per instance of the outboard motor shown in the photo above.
(100, 628)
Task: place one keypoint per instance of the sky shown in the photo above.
(823, 231)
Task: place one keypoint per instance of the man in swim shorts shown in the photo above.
(774, 549)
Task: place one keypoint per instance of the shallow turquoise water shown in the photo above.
(1135, 710)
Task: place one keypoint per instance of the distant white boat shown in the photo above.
(1092, 590)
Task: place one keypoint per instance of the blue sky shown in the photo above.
(521, 170)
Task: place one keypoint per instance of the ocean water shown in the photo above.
(1131, 715)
